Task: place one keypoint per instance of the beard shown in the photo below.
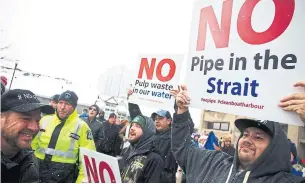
(11, 138)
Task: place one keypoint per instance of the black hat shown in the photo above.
(161, 113)
(266, 126)
(55, 98)
(112, 115)
(70, 97)
(20, 100)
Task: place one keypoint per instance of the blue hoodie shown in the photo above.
(211, 140)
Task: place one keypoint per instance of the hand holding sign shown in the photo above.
(182, 99)
(295, 102)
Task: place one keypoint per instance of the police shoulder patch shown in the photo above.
(89, 135)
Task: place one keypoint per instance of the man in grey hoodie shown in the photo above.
(262, 152)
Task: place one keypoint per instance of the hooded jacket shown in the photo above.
(140, 162)
(206, 166)
(162, 142)
(23, 168)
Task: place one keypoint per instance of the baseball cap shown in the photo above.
(264, 125)
(161, 113)
(20, 100)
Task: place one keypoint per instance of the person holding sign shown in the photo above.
(140, 162)
(262, 152)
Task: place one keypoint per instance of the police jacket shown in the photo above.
(57, 148)
(23, 168)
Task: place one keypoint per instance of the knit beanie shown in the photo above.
(70, 97)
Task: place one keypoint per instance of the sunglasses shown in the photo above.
(94, 109)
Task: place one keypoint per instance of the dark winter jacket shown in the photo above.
(162, 142)
(97, 132)
(111, 145)
(228, 150)
(140, 162)
(207, 166)
(23, 168)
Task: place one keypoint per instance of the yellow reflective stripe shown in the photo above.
(43, 126)
(65, 154)
(77, 127)
(53, 152)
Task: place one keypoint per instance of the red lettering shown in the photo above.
(171, 73)
(220, 35)
(149, 70)
(91, 171)
(284, 10)
(104, 166)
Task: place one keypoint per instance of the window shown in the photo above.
(224, 126)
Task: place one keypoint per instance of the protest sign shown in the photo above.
(100, 168)
(156, 76)
(244, 56)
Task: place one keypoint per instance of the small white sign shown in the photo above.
(100, 168)
(156, 75)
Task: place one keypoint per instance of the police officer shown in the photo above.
(58, 141)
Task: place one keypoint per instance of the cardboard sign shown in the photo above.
(244, 56)
(156, 76)
(100, 168)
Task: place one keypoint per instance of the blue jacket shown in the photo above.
(211, 140)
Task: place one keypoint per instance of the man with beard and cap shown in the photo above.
(58, 141)
(111, 145)
(20, 114)
(140, 162)
(262, 152)
(162, 140)
(95, 126)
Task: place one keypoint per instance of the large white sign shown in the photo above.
(245, 56)
(100, 168)
(156, 75)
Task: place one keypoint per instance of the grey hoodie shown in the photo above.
(206, 166)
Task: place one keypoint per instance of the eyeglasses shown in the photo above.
(94, 109)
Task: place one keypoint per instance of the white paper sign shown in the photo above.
(244, 56)
(100, 168)
(157, 74)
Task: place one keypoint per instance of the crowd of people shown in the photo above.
(40, 143)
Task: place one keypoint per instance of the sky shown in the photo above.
(81, 40)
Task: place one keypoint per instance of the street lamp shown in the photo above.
(16, 64)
